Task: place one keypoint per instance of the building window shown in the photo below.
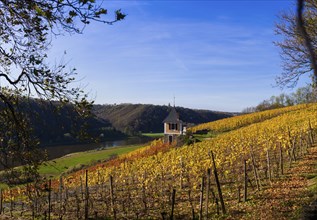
(172, 126)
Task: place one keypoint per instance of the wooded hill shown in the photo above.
(54, 125)
(135, 118)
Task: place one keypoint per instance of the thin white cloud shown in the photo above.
(138, 57)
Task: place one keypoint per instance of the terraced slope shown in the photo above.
(251, 161)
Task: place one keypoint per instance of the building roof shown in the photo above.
(172, 117)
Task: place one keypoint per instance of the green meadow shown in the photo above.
(74, 161)
(153, 135)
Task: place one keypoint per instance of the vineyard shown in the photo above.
(222, 177)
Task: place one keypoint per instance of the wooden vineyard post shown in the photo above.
(294, 148)
(98, 177)
(306, 143)
(181, 174)
(31, 201)
(245, 197)
(112, 198)
(81, 188)
(257, 180)
(86, 196)
(60, 194)
(22, 209)
(191, 204)
(268, 165)
(311, 133)
(11, 203)
(66, 194)
(173, 204)
(207, 191)
(217, 205)
(301, 142)
(77, 204)
(309, 141)
(1, 199)
(281, 160)
(161, 188)
(218, 183)
(290, 147)
(49, 198)
(144, 200)
(201, 198)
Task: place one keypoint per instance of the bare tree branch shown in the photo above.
(26, 30)
(307, 39)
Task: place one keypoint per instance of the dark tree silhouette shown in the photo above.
(26, 31)
(307, 39)
(298, 48)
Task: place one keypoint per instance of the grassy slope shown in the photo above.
(60, 165)
(153, 135)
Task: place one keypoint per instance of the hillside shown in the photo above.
(53, 124)
(135, 118)
(265, 159)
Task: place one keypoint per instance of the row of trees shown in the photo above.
(298, 49)
(300, 96)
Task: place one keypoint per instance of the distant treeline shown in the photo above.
(300, 96)
(144, 118)
(54, 124)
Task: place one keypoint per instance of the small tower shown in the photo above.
(173, 127)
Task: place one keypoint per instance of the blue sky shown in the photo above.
(215, 55)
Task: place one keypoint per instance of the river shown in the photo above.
(62, 150)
